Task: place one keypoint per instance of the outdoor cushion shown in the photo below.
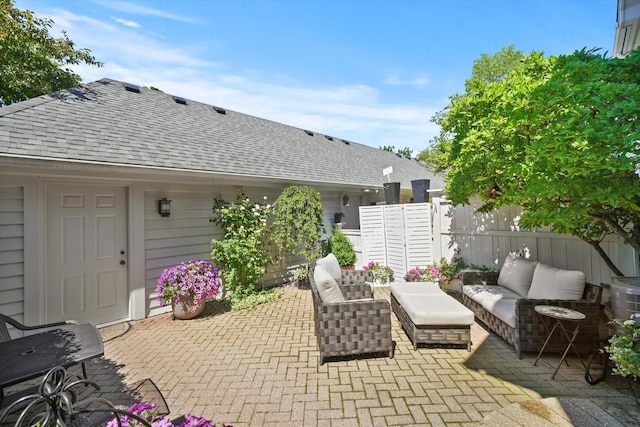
(401, 289)
(554, 283)
(505, 310)
(328, 289)
(330, 264)
(437, 310)
(516, 274)
(488, 296)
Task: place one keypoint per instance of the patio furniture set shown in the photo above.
(349, 321)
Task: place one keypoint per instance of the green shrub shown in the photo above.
(342, 248)
(242, 255)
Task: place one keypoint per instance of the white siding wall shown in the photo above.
(12, 252)
(187, 233)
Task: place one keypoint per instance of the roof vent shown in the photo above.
(131, 87)
(399, 155)
(179, 100)
(330, 138)
(344, 141)
(308, 132)
(220, 110)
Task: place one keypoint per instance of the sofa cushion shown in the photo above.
(330, 264)
(505, 310)
(554, 283)
(489, 295)
(328, 289)
(516, 274)
(437, 310)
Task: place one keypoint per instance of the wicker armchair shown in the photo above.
(530, 333)
(355, 326)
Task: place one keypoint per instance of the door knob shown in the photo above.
(122, 262)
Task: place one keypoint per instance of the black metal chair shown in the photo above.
(58, 401)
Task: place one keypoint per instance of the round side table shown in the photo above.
(556, 315)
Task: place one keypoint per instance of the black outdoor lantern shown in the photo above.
(164, 207)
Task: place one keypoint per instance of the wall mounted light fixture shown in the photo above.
(164, 207)
(345, 200)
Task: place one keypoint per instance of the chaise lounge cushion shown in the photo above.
(516, 274)
(328, 288)
(553, 283)
(330, 264)
(404, 291)
(437, 310)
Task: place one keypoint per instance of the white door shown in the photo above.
(86, 253)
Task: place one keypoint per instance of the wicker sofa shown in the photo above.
(356, 325)
(511, 314)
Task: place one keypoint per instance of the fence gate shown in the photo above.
(399, 236)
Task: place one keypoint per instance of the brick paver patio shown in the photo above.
(260, 368)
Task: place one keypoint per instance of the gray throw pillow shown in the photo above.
(330, 264)
(516, 274)
(554, 283)
(328, 289)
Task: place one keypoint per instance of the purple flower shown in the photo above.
(194, 280)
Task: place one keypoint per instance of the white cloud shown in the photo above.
(126, 23)
(349, 111)
(138, 9)
(419, 81)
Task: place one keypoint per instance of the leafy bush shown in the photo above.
(624, 346)
(242, 254)
(297, 224)
(342, 248)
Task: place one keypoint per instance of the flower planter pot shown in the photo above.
(392, 193)
(185, 310)
(420, 188)
(303, 284)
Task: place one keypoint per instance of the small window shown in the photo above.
(180, 100)
(131, 87)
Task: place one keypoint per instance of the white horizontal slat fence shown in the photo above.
(486, 239)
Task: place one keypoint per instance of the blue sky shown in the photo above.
(371, 71)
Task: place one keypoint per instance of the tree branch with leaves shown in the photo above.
(559, 136)
(32, 61)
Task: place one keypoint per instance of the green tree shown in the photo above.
(297, 224)
(32, 62)
(406, 151)
(558, 136)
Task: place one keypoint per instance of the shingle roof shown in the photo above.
(105, 123)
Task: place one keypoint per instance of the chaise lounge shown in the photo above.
(430, 316)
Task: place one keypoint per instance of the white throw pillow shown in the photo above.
(516, 274)
(327, 287)
(330, 264)
(554, 283)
